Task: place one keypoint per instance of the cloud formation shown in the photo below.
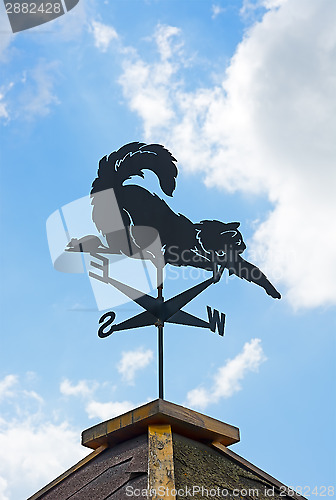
(105, 411)
(133, 361)
(35, 447)
(103, 35)
(7, 386)
(217, 10)
(267, 129)
(36, 442)
(227, 379)
(3, 108)
(149, 88)
(82, 388)
(4, 112)
(38, 451)
(31, 94)
(38, 94)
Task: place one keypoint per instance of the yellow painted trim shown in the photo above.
(161, 478)
(67, 473)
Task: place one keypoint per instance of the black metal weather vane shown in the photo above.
(138, 224)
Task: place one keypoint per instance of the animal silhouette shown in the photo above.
(89, 244)
(209, 244)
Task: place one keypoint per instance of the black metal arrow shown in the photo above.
(160, 310)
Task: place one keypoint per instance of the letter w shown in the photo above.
(215, 321)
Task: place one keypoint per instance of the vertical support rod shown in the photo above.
(160, 331)
(160, 353)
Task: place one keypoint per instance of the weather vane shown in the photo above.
(137, 224)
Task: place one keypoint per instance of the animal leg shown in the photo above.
(217, 272)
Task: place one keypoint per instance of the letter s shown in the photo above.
(111, 315)
(129, 490)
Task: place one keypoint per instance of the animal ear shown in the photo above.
(199, 225)
(206, 227)
(208, 223)
(217, 225)
(230, 226)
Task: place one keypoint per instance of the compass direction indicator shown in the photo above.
(158, 312)
(215, 321)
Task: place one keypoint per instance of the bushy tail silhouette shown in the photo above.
(132, 159)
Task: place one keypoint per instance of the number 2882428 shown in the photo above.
(33, 8)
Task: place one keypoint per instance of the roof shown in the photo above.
(163, 445)
(184, 421)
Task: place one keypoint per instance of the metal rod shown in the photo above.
(160, 354)
(160, 332)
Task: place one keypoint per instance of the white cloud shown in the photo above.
(105, 411)
(228, 378)
(3, 488)
(149, 88)
(167, 41)
(33, 447)
(36, 444)
(4, 90)
(216, 10)
(268, 129)
(252, 5)
(38, 452)
(6, 386)
(38, 93)
(3, 108)
(82, 388)
(32, 95)
(33, 395)
(133, 361)
(103, 35)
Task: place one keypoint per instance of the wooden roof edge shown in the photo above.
(253, 468)
(183, 421)
(67, 473)
(196, 417)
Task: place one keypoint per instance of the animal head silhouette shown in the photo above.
(220, 237)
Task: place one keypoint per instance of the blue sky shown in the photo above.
(242, 93)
